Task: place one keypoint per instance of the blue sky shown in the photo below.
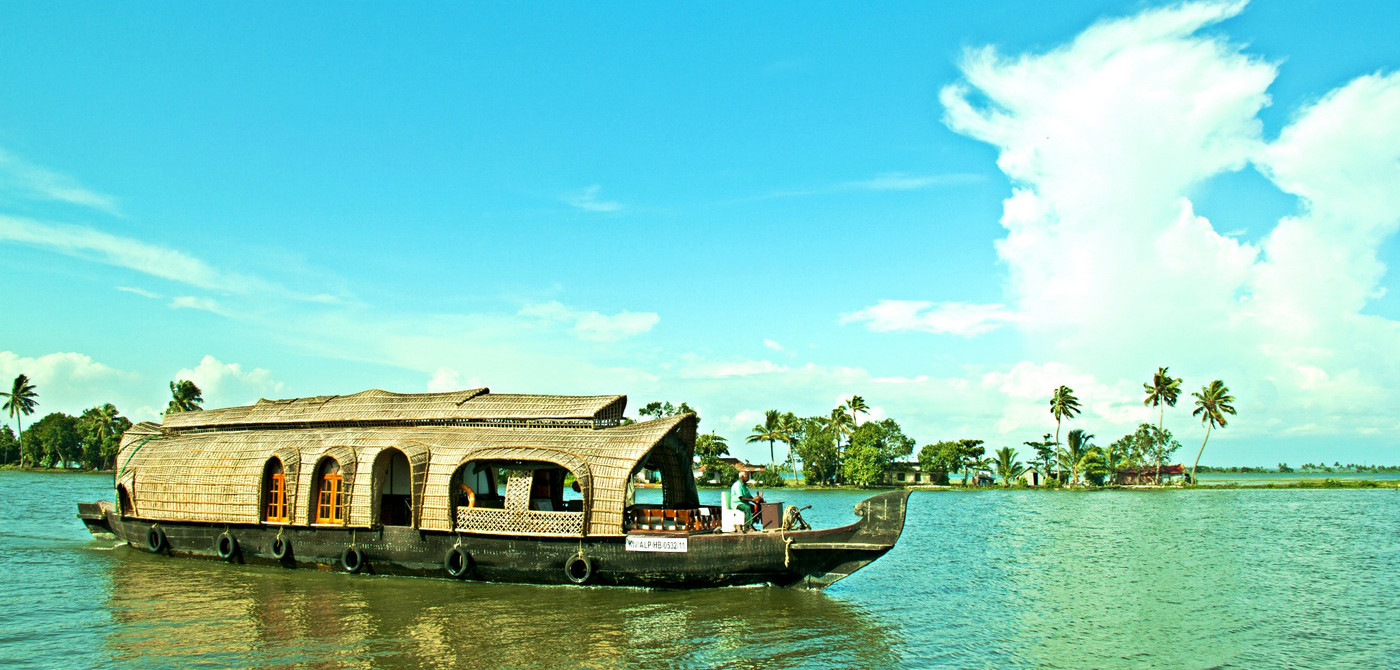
(947, 211)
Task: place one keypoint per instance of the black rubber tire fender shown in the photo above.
(352, 559)
(226, 546)
(579, 569)
(156, 540)
(457, 562)
(281, 548)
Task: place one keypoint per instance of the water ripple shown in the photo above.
(992, 579)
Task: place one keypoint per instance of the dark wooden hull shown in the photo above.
(810, 559)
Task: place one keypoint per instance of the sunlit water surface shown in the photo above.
(1111, 579)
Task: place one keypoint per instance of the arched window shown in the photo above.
(395, 485)
(330, 493)
(274, 486)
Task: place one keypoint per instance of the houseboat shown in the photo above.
(462, 485)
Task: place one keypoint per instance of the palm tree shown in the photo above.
(1008, 468)
(791, 428)
(1076, 452)
(1113, 458)
(185, 397)
(856, 405)
(1162, 393)
(20, 403)
(1063, 405)
(840, 423)
(1212, 404)
(770, 431)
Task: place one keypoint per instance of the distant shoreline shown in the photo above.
(1224, 486)
(56, 471)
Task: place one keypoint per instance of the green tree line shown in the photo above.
(88, 441)
(834, 448)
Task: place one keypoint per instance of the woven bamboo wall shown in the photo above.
(217, 476)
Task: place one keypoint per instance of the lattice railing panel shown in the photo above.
(519, 522)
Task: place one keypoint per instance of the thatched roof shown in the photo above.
(209, 468)
(382, 407)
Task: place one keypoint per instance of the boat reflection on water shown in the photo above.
(180, 613)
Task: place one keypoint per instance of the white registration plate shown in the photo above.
(668, 544)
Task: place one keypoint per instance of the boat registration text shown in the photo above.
(669, 544)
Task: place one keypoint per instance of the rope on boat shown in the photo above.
(117, 479)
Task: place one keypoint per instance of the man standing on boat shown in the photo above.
(744, 499)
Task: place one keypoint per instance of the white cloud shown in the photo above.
(594, 326)
(229, 384)
(36, 182)
(447, 379)
(69, 381)
(953, 318)
(1099, 183)
(740, 422)
(1112, 270)
(901, 380)
(49, 368)
(772, 344)
(587, 200)
(875, 413)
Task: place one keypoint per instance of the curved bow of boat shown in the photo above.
(824, 557)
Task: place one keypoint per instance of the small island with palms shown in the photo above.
(836, 450)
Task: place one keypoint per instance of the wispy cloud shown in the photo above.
(141, 292)
(594, 326)
(143, 257)
(203, 304)
(36, 182)
(899, 181)
(587, 200)
(723, 369)
(883, 182)
(952, 318)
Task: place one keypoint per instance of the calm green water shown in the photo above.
(1111, 579)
